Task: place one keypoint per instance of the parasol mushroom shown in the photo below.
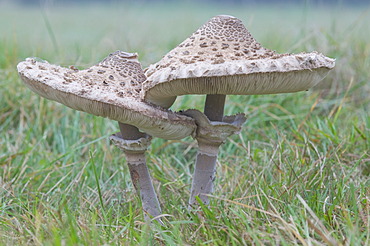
(111, 89)
(222, 58)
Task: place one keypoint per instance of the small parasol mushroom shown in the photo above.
(111, 89)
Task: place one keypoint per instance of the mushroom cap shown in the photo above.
(109, 89)
(222, 57)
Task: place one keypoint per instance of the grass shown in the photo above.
(297, 174)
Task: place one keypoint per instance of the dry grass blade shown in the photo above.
(247, 206)
(321, 229)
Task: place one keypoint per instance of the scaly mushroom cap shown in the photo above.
(224, 50)
(109, 89)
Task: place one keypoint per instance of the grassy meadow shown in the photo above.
(297, 174)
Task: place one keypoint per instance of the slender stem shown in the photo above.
(130, 132)
(142, 182)
(139, 173)
(205, 167)
(214, 107)
(204, 175)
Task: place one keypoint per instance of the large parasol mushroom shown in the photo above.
(222, 58)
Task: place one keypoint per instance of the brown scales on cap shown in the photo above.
(221, 38)
(120, 73)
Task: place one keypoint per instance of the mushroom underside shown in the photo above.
(163, 94)
(154, 121)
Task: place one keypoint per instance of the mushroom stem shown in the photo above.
(141, 180)
(204, 173)
(205, 166)
(139, 171)
(214, 107)
(130, 132)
